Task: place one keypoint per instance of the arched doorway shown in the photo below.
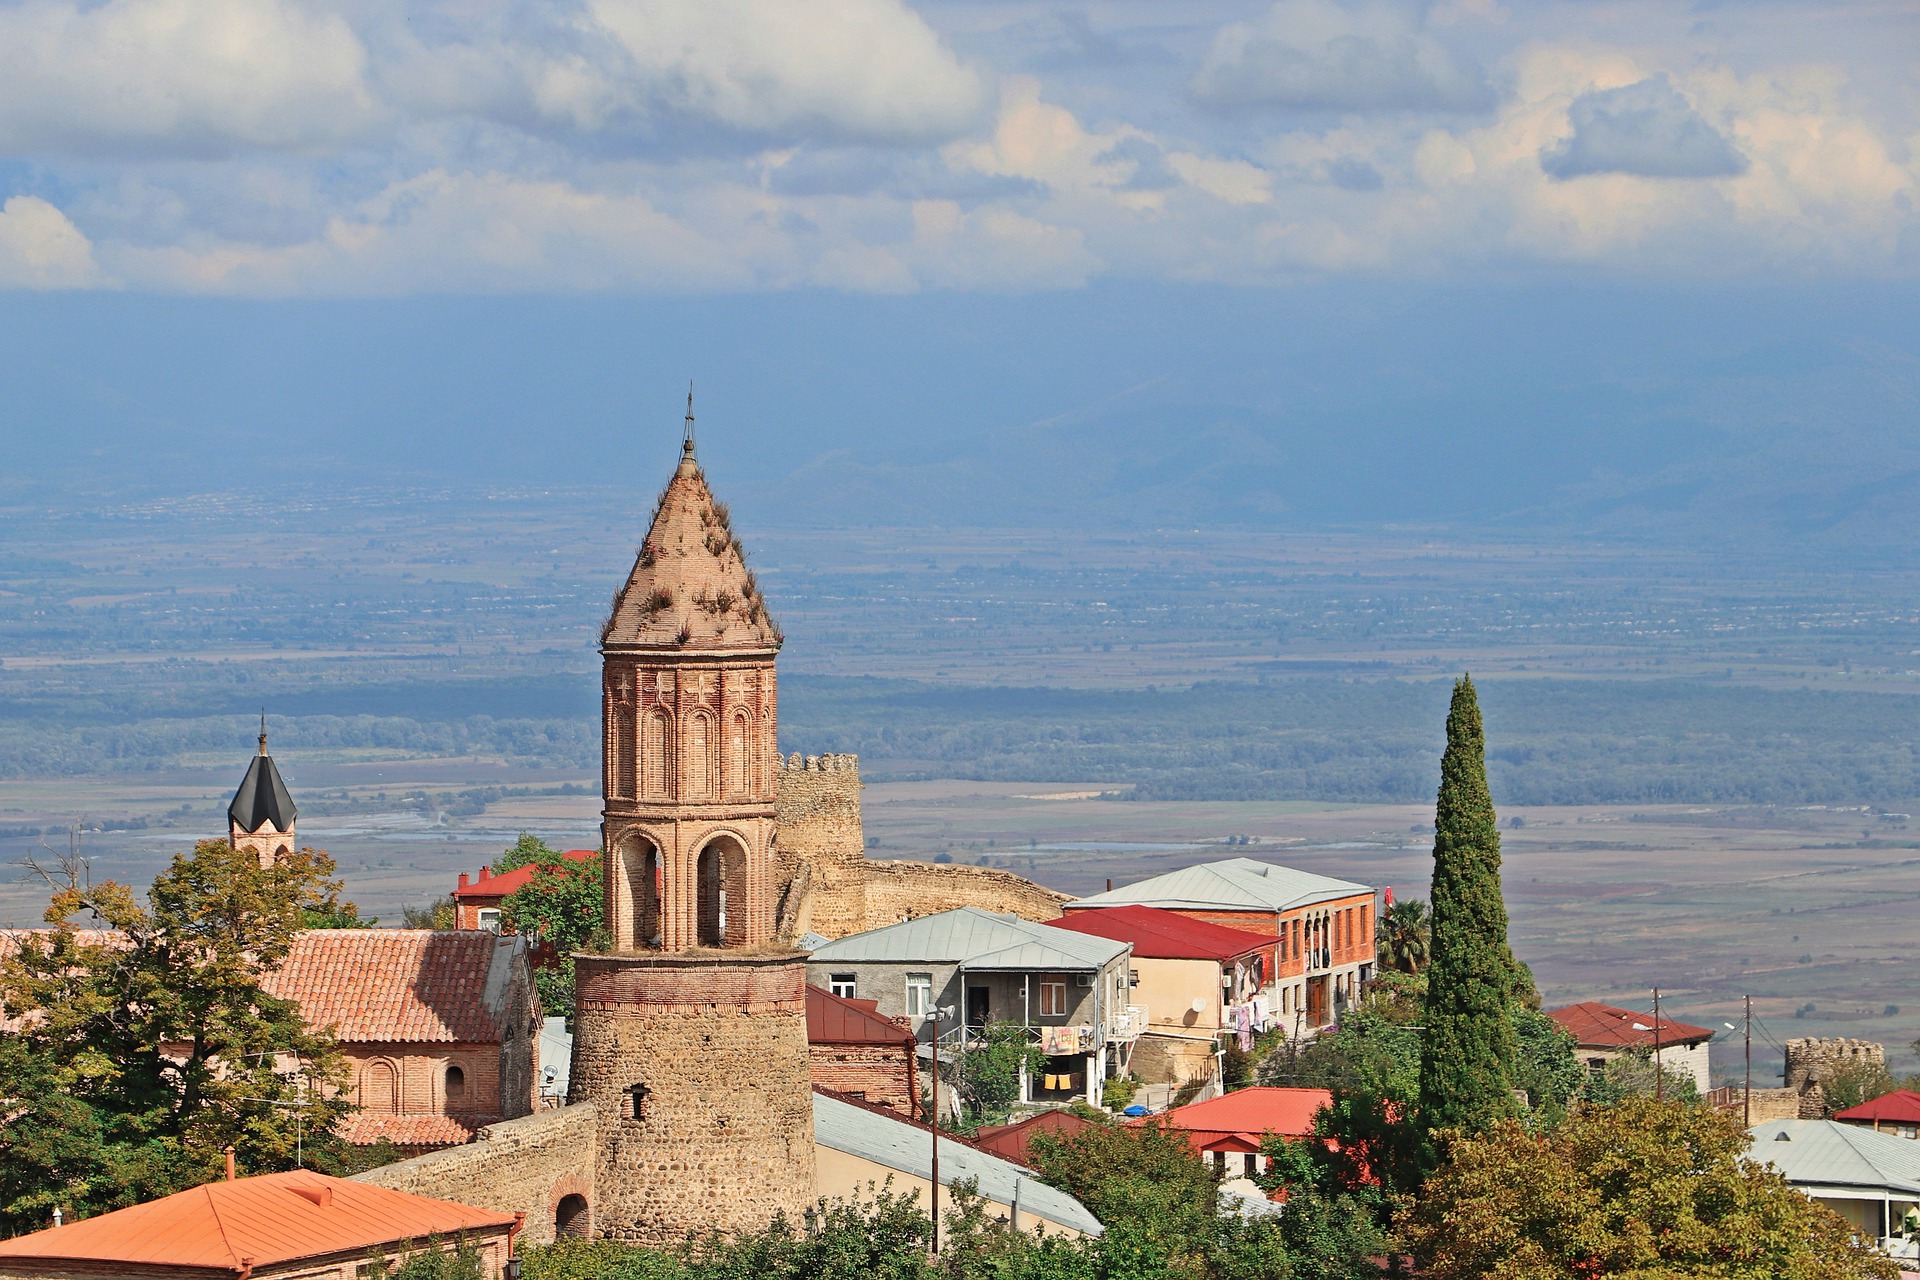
(640, 866)
(570, 1218)
(721, 874)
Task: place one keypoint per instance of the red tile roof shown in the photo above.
(400, 986)
(835, 1019)
(491, 887)
(364, 1128)
(1009, 1141)
(1158, 934)
(1237, 1121)
(1603, 1026)
(1902, 1106)
(266, 1221)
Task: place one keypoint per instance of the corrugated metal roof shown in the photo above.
(399, 986)
(833, 1019)
(268, 1220)
(1829, 1153)
(897, 1144)
(1902, 1106)
(978, 939)
(1159, 934)
(1234, 884)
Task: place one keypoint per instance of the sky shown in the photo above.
(1283, 259)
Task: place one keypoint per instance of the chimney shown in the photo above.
(463, 879)
(229, 1164)
(486, 872)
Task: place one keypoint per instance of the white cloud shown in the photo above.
(178, 77)
(40, 249)
(1647, 129)
(1322, 55)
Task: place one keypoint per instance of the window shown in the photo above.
(1053, 998)
(456, 1085)
(919, 995)
(842, 985)
(633, 1103)
(489, 918)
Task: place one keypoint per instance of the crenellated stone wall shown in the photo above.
(1812, 1062)
(528, 1165)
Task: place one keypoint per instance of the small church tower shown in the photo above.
(260, 819)
(690, 1033)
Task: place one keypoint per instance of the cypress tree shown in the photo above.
(1469, 1047)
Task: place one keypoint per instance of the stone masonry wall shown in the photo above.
(882, 1074)
(515, 1166)
(899, 891)
(1811, 1063)
(819, 856)
(697, 1066)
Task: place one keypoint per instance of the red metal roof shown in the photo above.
(1902, 1106)
(491, 888)
(399, 986)
(1237, 1121)
(1158, 934)
(835, 1019)
(1603, 1026)
(264, 1221)
(1009, 1141)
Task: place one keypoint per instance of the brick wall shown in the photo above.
(881, 1074)
(422, 1075)
(516, 1166)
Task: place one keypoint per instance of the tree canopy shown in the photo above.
(561, 909)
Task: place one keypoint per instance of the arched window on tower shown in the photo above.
(697, 766)
(622, 771)
(739, 754)
(656, 749)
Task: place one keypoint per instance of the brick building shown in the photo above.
(856, 1052)
(438, 1027)
(476, 900)
(1324, 927)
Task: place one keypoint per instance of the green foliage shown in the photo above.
(1853, 1083)
(562, 907)
(525, 851)
(1118, 1093)
(1403, 937)
(153, 1048)
(1144, 1182)
(1546, 1068)
(438, 914)
(988, 1078)
(336, 915)
(1640, 1189)
(435, 1260)
(1631, 1075)
(1465, 1078)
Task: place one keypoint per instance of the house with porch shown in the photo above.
(1870, 1179)
(1197, 981)
(1069, 991)
(1323, 928)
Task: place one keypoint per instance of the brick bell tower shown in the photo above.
(690, 1034)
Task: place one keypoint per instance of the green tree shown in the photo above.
(1852, 1083)
(437, 914)
(151, 1046)
(1631, 1075)
(1146, 1184)
(988, 1077)
(525, 851)
(560, 908)
(1545, 1068)
(436, 1260)
(1641, 1189)
(1465, 1066)
(1403, 937)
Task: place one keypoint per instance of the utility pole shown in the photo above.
(937, 1011)
(1659, 1079)
(1746, 1108)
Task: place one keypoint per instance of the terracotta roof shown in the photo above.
(1902, 1106)
(1158, 934)
(1237, 1121)
(364, 1128)
(688, 566)
(835, 1019)
(1603, 1026)
(402, 985)
(490, 886)
(269, 1220)
(1009, 1141)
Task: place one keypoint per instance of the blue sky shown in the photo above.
(1307, 260)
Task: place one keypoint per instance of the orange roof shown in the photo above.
(1902, 1106)
(1606, 1026)
(401, 986)
(1237, 1121)
(264, 1221)
(490, 887)
(364, 1128)
(833, 1019)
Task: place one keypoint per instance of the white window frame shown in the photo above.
(844, 985)
(488, 918)
(1057, 988)
(919, 995)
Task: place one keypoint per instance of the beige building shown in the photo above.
(1602, 1032)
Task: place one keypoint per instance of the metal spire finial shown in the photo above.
(686, 442)
(263, 731)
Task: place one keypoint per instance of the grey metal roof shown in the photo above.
(978, 939)
(1829, 1153)
(897, 1144)
(1234, 884)
(262, 797)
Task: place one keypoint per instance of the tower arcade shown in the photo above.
(690, 1032)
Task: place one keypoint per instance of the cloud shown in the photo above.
(178, 77)
(1646, 129)
(1318, 55)
(40, 249)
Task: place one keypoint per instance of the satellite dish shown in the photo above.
(1199, 1004)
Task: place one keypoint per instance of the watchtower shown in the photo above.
(690, 1033)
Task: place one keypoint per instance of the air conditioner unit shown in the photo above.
(1086, 979)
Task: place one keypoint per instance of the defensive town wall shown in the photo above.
(534, 1165)
(1811, 1064)
(828, 885)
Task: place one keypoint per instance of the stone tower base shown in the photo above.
(698, 1070)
